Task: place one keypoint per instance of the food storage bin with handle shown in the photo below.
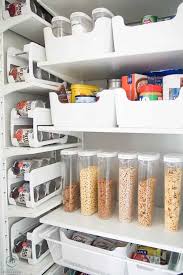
(147, 180)
(173, 188)
(88, 181)
(106, 184)
(127, 185)
(71, 189)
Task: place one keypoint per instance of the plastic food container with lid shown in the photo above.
(83, 89)
(88, 181)
(106, 184)
(127, 185)
(151, 92)
(71, 189)
(81, 22)
(61, 26)
(147, 180)
(101, 12)
(173, 189)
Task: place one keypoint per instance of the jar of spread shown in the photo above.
(150, 92)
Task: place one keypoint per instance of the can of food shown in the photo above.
(150, 96)
(21, 166)
(24, 106)
(18, 73)
(149, 19)
(85, 99)
(114, 84)
(83, 90)
(23, 136)
(24, 193)
(15, 8)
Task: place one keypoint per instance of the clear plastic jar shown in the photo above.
(71, 189)
(127, 185)
(101, 12)
(173, 189)
(61, 26)
(81, 23)
(88, 181)
(147, 179)
(106, 184)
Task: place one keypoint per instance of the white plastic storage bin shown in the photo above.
(55, 270)
(99, 114)
(94, 43)
(143, 268)
(159, 37)
(162, 114)
(84, 257)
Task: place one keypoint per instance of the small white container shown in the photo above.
(101, 12)
(81, 23)
(61, 26)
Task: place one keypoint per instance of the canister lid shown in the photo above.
(127, 155)
(173, 158)
(107, 154)
(102, 10)
(80, 14)
(88, 153)
(60, 18)
(149, 156)
(69, 152)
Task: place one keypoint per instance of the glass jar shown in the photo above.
(127, 185)
(88, 181)
(61, 26)
(173, 189)
(80, 23)
(101, 12)
(106, 184)
(147, 179)
(71, 189)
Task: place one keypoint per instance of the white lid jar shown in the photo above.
(101, 12)
(61, 26)
(173, 190)
(80, 23)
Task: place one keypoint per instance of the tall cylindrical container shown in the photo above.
(127, 185)
(88, 181)
(71, 189)
(173, 189)
(106, 184)
(147, 180)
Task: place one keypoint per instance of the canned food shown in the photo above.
(18, 73)
(21, 194)
(114, 84)
(24, 106)
(85, 99)
(23, 136)
(15, 8)
(39, 192)
(26, 251)
(83, 90)
(149, 19)
(21, 166)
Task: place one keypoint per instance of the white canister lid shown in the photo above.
(69, 152)
(148, 156)
(107, 154)
(80, 14)
(88, 153)
(127, 155)
(60, 18)
(102, 10)
(173, 158)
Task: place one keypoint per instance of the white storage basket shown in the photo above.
(84, 257)
(148, 38)
(160, 114)
(94, 43)
(99, 114)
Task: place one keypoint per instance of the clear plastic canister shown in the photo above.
(127, 185)
(101, 12)
(61, 26)
(173, 189)
(106, 184)
(88, 181)
(71, 189)
(147, 179)
(81, 22)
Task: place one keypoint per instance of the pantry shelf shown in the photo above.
(19, 211)
(113, 65)
(155, 236)
(53, 129)
(27, 87)
(30, 26)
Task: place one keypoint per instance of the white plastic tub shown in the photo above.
(160, 114)
(84, 257)
(148, 38)
(99, 114)
(94, 43)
